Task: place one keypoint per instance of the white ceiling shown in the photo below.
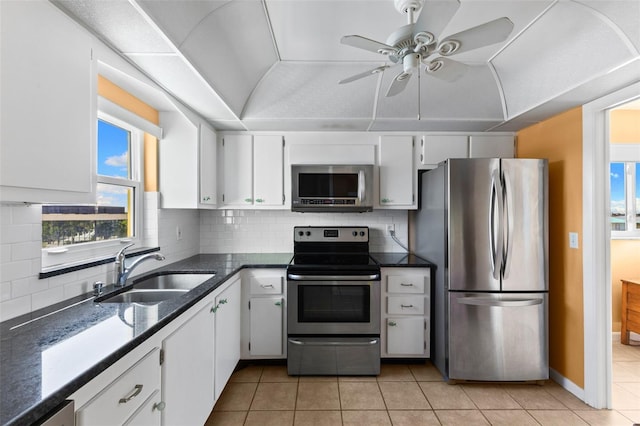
(275, 64)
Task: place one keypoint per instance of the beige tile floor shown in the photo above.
(416, 395)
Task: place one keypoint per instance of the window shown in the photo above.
(625, 199)
(73, 233)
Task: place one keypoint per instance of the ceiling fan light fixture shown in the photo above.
(410, 62)
(449, 47)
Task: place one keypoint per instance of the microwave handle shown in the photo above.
(362, 181)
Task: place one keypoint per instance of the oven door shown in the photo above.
(333, 305)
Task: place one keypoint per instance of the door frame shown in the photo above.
(596, 245)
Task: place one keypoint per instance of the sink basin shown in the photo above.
(172, 281)
(142, 296)
(158, 288)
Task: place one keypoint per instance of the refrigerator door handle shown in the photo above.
(489, 301)
(495, 208)
(508, 218)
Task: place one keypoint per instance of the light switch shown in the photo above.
(573, 240)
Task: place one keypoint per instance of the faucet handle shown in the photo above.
(120, 254)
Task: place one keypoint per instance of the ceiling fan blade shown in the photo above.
(366, 44)
(435, 15)
(398, 84)
(483, 35)
(446, 69)
(364, 74)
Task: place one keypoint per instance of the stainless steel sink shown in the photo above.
(143, 296)
(171, 281)
(157, 288)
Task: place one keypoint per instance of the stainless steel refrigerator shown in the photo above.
(484, 222)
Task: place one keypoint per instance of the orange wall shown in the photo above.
(126, 100)
(624, 127)
(559, 139)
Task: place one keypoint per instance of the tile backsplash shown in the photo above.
(179, 233)
(271, 231)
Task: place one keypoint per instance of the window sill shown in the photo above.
(86, 264)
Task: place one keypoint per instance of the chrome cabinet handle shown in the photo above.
(159, 406)
(248, 200)
(406, 285)
(266, 285)
(278, 303)
(406, 306)
(259, 200)
(223, 301)
(385, 200)
(392, 323)
(136, 391)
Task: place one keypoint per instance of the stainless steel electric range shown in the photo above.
(333, 316)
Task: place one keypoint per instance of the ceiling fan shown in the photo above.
(416, 43)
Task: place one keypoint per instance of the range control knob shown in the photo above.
(308, 233)
(354, 233)
(300, 233)
(362, 233)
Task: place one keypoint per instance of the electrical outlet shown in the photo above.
(178, 233)
(391, 229)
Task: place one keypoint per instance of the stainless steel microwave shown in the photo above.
(325, 188)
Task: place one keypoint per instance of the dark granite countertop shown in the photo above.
(48, 354)
(402, 260)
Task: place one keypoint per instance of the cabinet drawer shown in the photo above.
(405, 305)
(123, 396)
(267, 284)
(405, 283)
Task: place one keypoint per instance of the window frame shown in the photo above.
(54, 258)
(629, 155)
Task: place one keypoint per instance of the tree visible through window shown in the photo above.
(112, 216)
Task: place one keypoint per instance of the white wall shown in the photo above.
(21, 291)
(271, 231)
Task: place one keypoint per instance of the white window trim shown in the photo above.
(629, 154)
(68, 256)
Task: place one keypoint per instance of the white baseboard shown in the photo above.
(567, 384)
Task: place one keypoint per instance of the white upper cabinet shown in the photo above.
(48, 120)
(490, 146)
(397, 174)
(437, 148)
(208, 167)
(253, 171)
(268, 168)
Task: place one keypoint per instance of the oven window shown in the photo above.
(332, 185)
(334, 303)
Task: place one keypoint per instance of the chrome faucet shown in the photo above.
(122, 272)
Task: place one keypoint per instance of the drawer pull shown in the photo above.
(392, 323)
(266, 285)
(136, 391)
(159, 406)
(278, 303)
(406, 306)
(406, 284)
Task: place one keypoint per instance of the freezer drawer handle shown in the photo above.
(300, 343)
(485, 301)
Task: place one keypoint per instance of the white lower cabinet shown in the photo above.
(118, 402)
(149, 413)
(263, 313)
(227, 334)
(405, 312)
(188, 370)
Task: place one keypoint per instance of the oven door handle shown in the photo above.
(297, 277)
(329, 343)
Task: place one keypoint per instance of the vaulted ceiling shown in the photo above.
(275, 64)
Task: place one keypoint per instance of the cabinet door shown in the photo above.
(268, 171)
(238, 170)
(437, 148)
(396, 171)
(188, 370)
(491, 146)
(227, 334)
(405, 336)
(266, 326)
(208, 162)
(49, 103)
